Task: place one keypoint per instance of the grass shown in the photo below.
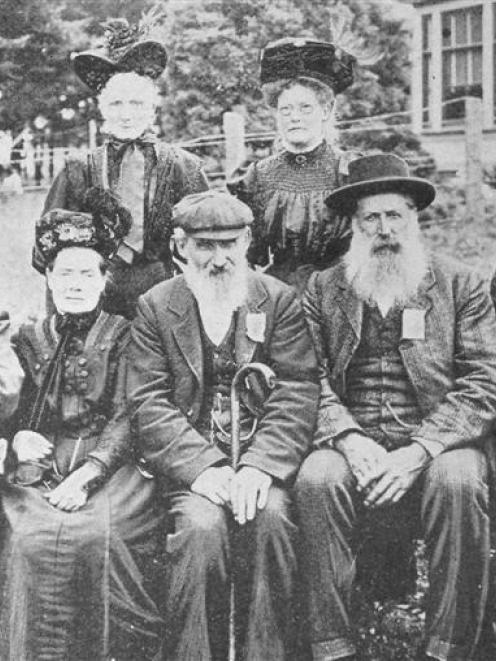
(21, 287)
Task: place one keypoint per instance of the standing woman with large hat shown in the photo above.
(294, 231)
(131, 168)
(80, 521)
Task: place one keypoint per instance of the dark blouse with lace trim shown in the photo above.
(287, 193)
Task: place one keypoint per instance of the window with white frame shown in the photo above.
(461, 58)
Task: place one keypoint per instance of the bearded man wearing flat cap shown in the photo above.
(190, 338)
(407, 349)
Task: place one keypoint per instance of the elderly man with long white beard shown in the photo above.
(190, 338)
(407, 348)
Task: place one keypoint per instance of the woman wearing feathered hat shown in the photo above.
(132, 168)
(79, 518)
(286, 191)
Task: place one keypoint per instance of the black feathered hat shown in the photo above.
(127, 48)
(287, 59)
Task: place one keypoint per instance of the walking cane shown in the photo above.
(268, 376)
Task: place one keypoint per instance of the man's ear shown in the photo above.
(248, 236)
(180, 240)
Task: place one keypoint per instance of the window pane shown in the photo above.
(461, 68)
(460, 27)
(426, 32)
(447, 57)
(426, 71)
(446, 29)
(476, 19)
(477, 66)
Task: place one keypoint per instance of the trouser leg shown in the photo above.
(197, 602)
(455, 521)
(327, 514)
(198, 583)
(264, 565)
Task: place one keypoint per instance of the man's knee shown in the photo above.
(275, 518)
(323, 470)
(202, 523)
(457, 473)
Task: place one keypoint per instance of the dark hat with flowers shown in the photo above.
(59, 228)
(127, 48)
(287, 59)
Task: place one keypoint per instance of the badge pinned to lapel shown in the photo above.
(413, 324)
(255, 326)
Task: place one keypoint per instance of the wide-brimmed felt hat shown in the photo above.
(380, 173)
(60, 228)
(127, 48)
(287, 59)
(210, 214)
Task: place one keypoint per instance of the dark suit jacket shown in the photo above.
(453, 370)
(166, 383)
(175, 173)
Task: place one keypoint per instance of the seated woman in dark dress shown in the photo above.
(81, 525)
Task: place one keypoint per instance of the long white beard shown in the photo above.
(218, 296)
(386, 278)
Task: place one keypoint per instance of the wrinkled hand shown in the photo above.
(213, 483)
(31, 446)
(249, 492)
(365, 458)
(400, 470)
(71, 494)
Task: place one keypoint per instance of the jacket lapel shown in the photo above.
(350, 305)
(186, 329)
(416, 354)
(250, 331)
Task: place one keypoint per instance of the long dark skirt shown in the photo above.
(78, 586)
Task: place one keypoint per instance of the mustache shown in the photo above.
(384, 246)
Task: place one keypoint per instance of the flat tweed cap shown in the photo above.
(208, 214)
(380, 173)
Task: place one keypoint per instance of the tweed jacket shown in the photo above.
(175, 174)
(166, 380)
(452, 370)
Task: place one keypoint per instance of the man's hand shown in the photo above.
(213, 483)
(400, 470)
(249, 492)
(31, 446)
(364, 456)
(71, 494)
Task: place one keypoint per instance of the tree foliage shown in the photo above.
(213, 46)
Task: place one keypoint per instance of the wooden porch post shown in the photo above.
(473, 157)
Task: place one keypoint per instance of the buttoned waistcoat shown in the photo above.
(166, 380)
(452, 369)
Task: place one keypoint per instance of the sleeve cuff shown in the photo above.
(433, 448)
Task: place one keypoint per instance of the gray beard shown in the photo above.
(386, 278)
(218, 296)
